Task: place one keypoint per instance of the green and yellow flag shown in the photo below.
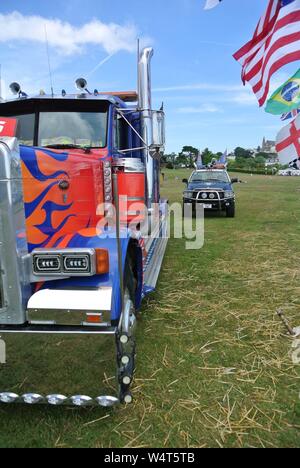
(286, 98)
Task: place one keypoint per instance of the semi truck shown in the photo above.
(83, 231)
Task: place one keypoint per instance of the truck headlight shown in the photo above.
(188, 194)
(70, 262)
(229, 194)
(76, 263)
(46, 264)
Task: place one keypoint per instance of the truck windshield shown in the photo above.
(73, 129)
(206, 176)
(83, 129)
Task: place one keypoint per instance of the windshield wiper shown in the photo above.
(87, 149)
(217, 180)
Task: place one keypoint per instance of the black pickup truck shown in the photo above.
(213, 189)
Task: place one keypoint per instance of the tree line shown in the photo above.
(244, 158)
(188, 157)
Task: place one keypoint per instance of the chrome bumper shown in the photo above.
(59, 307)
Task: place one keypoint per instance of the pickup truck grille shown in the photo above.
(216, 195)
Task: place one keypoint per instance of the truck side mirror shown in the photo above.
(159, 133)
(235, 181)
(185, 181)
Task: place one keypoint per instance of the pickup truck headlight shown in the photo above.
(229, 194)
(188, 194)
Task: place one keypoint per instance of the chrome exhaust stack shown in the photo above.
(145, 106)
(14, 279)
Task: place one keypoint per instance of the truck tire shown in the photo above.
(130, 279)
(230, 211)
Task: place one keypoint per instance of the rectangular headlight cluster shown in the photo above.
(68, 262)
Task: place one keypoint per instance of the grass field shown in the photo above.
(214, 366)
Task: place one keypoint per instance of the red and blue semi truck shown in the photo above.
(75, 173)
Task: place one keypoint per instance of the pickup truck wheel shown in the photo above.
(230, 211)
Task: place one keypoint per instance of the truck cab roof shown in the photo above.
(77, 100)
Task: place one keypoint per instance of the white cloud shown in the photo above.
(201, 87)
(203, 109)
(245, 98)
(66, 38)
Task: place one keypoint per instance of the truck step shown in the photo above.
(154, 262)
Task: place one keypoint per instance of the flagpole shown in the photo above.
(1, 98)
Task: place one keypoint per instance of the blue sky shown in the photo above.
(193, 69)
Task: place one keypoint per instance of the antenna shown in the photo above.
(138, 72)
(48, 57)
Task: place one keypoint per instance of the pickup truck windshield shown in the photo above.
(74, 129)
(208, 176)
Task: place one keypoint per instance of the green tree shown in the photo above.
(207, 156)
(191, 153)
(182, 159)
(263, 155)
(260, 160)
(242, 153)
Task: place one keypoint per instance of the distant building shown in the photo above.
(268, 146)
(273, 160)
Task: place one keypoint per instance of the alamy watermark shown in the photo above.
(158, 221)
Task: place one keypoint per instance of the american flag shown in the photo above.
(276, 42)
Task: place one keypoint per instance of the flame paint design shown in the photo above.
(53, 214)
(30, 159)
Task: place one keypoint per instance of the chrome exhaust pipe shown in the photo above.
(145, 106)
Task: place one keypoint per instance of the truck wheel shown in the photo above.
(230, 211)
(126, 337)
(126, 350)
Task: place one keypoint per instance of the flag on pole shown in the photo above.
(223, 158)
(288, 142)
(290, 115)
(211, 4)
(199, 163)
(276, 42)
(285, 98)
